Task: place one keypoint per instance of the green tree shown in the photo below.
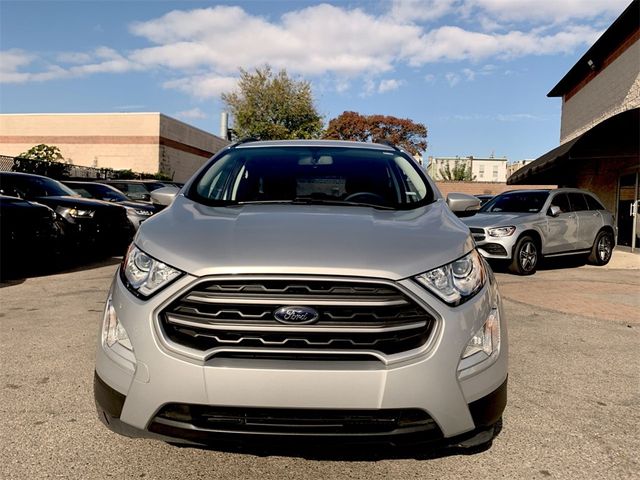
(42, 159)
(273, 106)
(460, 172)
(403, 132)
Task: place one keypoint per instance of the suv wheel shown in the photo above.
(602, 249)
(525, 257)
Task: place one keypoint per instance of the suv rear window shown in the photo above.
(593, 203)
(578, 203)
(322, 175)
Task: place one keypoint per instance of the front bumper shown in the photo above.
(498, 248)
(426, 379)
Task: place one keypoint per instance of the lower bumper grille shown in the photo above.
(296, 421)
(351, 316)
(494, 249)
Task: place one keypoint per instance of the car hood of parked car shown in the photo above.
(499, 219)
(69, 201)
(304, 239)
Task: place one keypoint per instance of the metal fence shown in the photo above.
(58, 170)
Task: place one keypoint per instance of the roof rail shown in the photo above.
(243, 140)
(389, 143)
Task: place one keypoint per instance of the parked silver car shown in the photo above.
(522, 226)
(316, 290)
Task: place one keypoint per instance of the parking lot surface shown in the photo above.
(573, 410)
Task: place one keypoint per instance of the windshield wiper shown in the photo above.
(315, 201)
(328, 201)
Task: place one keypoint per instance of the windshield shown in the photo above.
(317, 175)
(31, 186)
(101, 192)
(516, 202)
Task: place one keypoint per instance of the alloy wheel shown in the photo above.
(528, 256)
(604, 248)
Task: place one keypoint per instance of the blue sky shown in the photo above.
(475, 72)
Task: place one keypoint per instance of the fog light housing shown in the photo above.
(114, 335)
(484, 346)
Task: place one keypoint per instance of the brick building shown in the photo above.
(142, 142)
(600, 127)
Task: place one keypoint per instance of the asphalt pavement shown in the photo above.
(573, 409)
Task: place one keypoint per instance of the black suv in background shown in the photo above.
(86, 223)
(139, 190)
(30, 235)
(137, 212)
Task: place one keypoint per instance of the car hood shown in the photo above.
(138, 205)
(69, 201)
(304, 239)
(499, 219)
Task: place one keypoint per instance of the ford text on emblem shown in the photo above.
(296, 315)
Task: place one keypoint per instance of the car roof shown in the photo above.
(21, 174)
(313, 143)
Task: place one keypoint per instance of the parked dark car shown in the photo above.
(30, 235)
(484, 198)
(86, 223)
(139, 190)
(137, 212)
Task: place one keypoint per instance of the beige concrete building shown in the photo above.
(142, 142)
(600, 128)
(482, 169)
(513, 167)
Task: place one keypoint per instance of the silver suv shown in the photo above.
(522, 226)
(304, 290)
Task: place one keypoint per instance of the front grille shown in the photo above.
(295, 420)
(352, 316)
(478, 234)
(494, 249)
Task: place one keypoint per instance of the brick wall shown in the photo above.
(613, 90)
(478, 188)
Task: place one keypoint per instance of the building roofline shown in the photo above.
(191, 126)
(60, 114)
(612, 38)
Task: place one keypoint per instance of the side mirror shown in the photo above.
(164, 196)
(554, 211)
(463, 205)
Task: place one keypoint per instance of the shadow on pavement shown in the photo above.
(554, 263)
(17, 275)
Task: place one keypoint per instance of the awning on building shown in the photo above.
(615, 138)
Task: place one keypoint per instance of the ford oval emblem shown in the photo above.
(296, 315)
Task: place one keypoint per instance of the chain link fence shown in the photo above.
(66, 171)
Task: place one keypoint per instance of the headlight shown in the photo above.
(144, 275)
(76, 212)
(142, 213)
(457, 281)
(501, 231)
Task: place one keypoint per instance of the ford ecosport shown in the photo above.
(304, 289)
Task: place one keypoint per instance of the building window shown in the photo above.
(495, 171)
(481, 171)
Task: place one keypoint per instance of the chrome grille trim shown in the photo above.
(420, 323)
(290, 328)
(298, 300)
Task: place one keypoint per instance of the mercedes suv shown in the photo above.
(301, 290)
(522, 226)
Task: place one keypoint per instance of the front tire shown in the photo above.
(525, 257)
(602, 249)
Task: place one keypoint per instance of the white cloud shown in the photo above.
(420, 10)
(203, 86)
(546, 10)
(430, 78)
(389, 84)
(452, 78)
(202, 49)
(193, 113)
